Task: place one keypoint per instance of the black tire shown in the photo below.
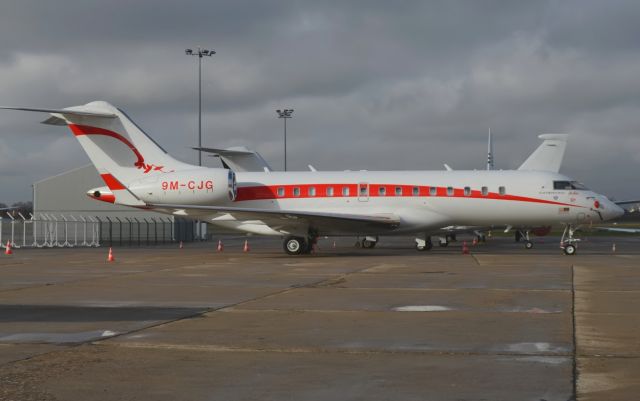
(570, 249)
(294, 245)
(528, 245)
(366, 244)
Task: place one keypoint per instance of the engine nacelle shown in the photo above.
(202, 186)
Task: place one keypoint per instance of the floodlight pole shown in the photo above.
(285, 114)
(200, 53)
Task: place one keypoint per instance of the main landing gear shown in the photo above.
(367, 242)
(569, 244)
(424, 244)
(298, 245)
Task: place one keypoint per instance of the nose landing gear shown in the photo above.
(520, 234)
(569, 244)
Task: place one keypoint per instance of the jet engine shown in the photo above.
(211, 186)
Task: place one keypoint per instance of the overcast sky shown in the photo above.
(378, 85)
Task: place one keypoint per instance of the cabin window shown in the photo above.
(416, 191)
(449, 191)
(280, 192)
(485, 191)
(345, 191)
(433, 191)
(502, 191)
(363, 190)
(467, 191)
(329, 191)
(382, 191)
(398, 191)
(296, 191)
(312, 191)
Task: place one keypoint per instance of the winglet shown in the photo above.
(549, 155)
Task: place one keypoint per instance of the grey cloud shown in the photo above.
(375, 84)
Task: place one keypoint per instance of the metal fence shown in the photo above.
(66, 231)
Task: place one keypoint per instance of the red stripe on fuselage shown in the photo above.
(265, 192)
(112, 182)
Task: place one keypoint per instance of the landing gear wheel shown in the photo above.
(426, 247)
(569, 249)
(366, 244)
(528, 245)
(294, 245)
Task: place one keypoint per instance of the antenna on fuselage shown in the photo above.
(490, 152)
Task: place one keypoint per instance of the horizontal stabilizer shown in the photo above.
(70, 111)
(225, 152)
(549, 155)
(239, 158)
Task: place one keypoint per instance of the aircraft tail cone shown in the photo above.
(110, 257)
(8, 250)
(465, 248)
(246, 246)
(220, 247)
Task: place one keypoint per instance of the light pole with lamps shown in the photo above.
(200, 53)
(285, 114)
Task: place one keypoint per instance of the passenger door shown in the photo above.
(363, 192)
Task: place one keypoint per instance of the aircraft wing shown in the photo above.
(326, 223)
(619, 230)
(628, 202)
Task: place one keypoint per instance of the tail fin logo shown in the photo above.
(147, 168)
(80, 130)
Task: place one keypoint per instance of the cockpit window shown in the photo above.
(569, 185)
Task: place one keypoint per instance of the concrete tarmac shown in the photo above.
(391, 323)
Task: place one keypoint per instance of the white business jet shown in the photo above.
(301, 206)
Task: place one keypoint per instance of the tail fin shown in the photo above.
(549, 155)
(119, 149)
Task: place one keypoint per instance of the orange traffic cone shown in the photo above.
(465, 248)
(246, 246)
(180, 246)
(110, 258)
(220, 246)
(8, 250)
